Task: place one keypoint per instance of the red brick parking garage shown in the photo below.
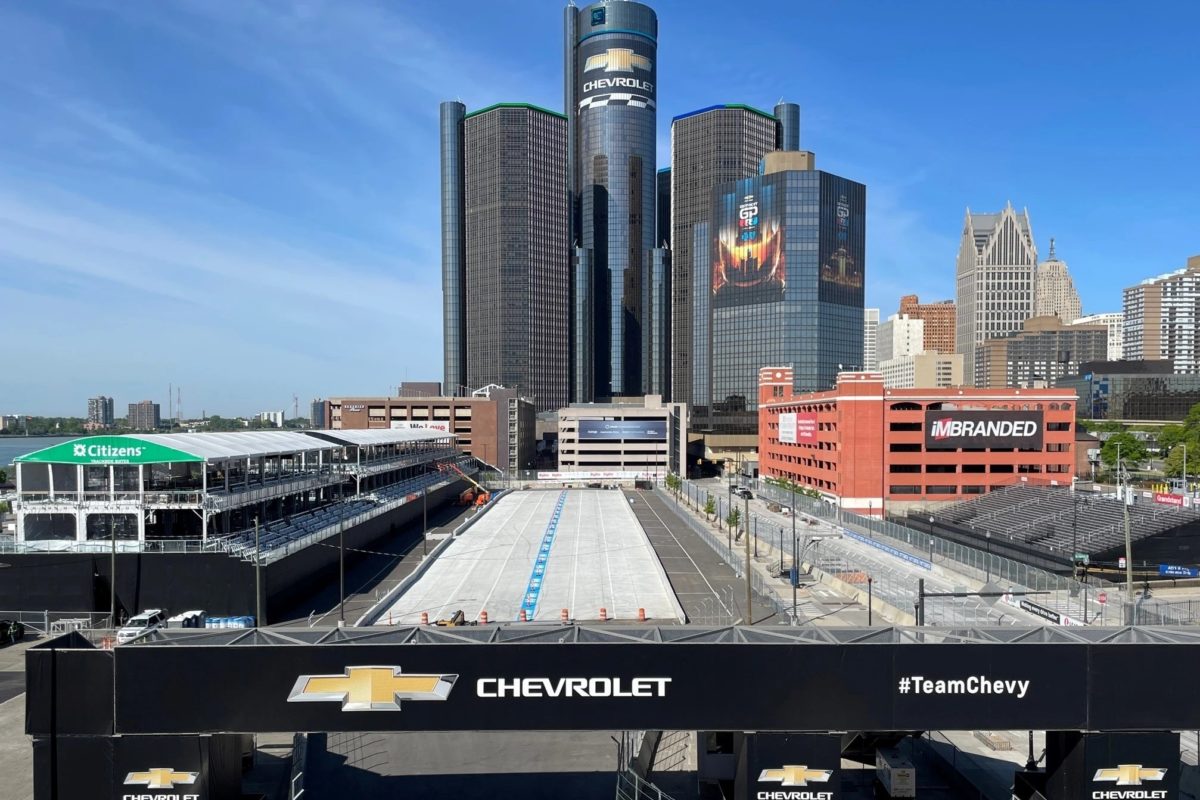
(865, 446)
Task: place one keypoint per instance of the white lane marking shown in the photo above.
(689, 556)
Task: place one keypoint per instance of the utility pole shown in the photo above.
(112, 577)
(1123, 485)
(258, 620)
(795, 576)
(425, 522)
(749, 592)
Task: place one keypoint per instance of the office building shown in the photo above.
(870, 359)
(143, 416)
(785, 286)
(870, 448)
(419, 389)
(922, 371)
(505, 250)
(1114, 321)
(1162, 319)
(1054, 291)
(100, 413)
(710, 146)
(610, 91)
(662, 224)
(900, 335)
(1044, 351)
(1134, 391)
(494, 424)
(318, 413)
(994, 281)
(939, 318)
(640, 437)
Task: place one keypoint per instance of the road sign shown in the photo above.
(1121, 562)
(1082, 558)
(1102, 597)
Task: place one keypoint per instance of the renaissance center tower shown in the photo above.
(618, 281)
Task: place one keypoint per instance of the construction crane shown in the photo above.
(477, 496)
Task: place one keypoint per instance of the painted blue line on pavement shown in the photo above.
(533, 591)
(895, 551)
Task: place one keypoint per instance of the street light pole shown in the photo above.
(749, 592)
(258, 620)
(425, 521)
(870, 599)
(112, 577)
(988, 538)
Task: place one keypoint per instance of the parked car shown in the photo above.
(744, 492)
(142, 623)
(11, 632)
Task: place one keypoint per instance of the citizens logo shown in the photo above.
(1129, 775)
(618, 59)
(795, 776)
(371, 688)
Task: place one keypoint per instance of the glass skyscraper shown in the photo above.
(784, 286)
(505, 251)
(611, 71)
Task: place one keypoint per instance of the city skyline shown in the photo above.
(161, 202)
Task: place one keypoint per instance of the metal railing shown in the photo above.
(299, 765)
(106, 546)
(52, 623)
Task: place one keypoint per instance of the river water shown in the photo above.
(13, 446)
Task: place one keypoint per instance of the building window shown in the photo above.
(904, 489)
(941, 490)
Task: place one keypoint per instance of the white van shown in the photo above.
(144, 622)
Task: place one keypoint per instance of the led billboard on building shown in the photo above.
(650, 430)
(952, 430)
(617, 73)
(748, 262)
(843, 237)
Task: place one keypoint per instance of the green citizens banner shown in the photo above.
(108, 450)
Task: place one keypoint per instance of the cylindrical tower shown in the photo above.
(454, 263)
(788, 115)
(611, 75)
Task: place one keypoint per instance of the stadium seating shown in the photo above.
(324, 520)
(1057, 519)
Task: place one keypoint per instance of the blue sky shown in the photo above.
(241, 198)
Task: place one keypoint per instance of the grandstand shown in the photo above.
(1060, 522)
(209, 492)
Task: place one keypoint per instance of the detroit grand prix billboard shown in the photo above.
(952, 430)
(843, 241)
(617, 72)
(748, 260)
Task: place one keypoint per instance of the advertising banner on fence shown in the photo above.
(952, 430)
(1165, 499)
(797, 427)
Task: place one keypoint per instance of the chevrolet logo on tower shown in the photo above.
(371, 688)
(618, 59)
(1129, 775)
(795, 776)
(156, 780)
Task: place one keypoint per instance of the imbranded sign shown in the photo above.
(952, 430)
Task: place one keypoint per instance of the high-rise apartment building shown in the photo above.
(505, 261)
(901, 335)
(939, 319)
(709, 146)
(143, 416)
(1162, 319)
(100, 413)
(785, 286)
(1044, 351)
(1115, 322)
(610, 92)
(1054, 292)
(994, 282)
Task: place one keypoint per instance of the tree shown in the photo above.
(734, 518)
(1174, 462)
(3, 476)
(1169, 436)
(1133, 451)
(674, 484)
(710, 508)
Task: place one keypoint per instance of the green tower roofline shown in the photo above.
(528, 106)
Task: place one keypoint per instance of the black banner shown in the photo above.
(1131, 766)
(952, 430)
(617, 70)
(793, 766)
(599, 687)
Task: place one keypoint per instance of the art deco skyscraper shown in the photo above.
(995, 281)
(1054, 292)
